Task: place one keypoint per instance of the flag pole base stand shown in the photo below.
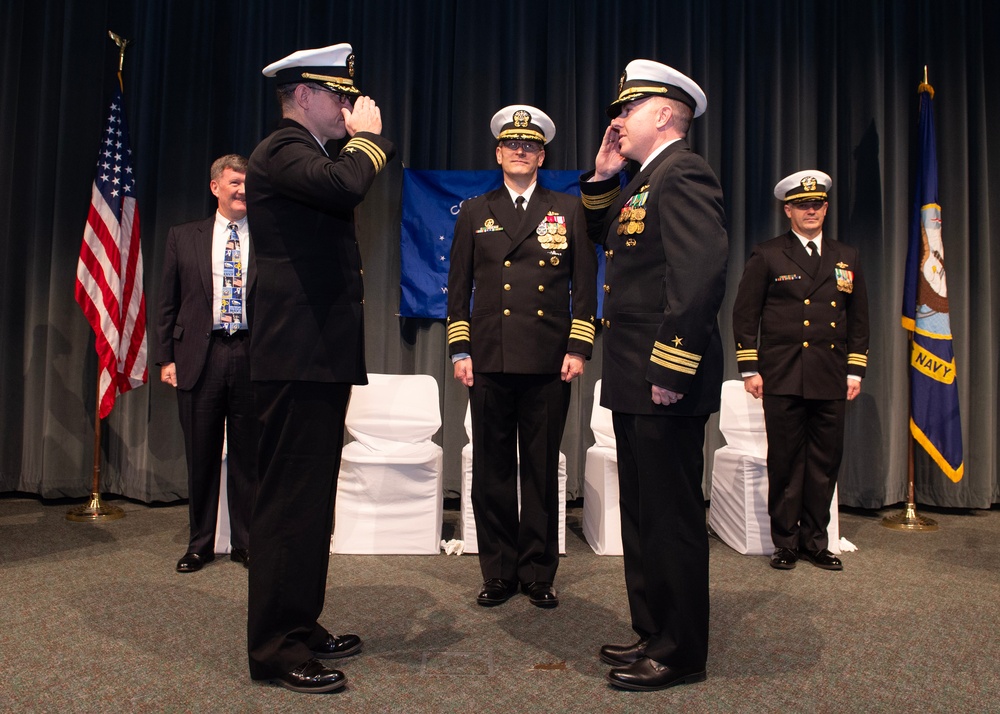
(909, 520)
(94, 511)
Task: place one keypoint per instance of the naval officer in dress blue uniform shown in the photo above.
(521, 305)
(665, 240)
(307, 348)
(800, 322)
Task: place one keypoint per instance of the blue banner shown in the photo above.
(935, 422)
(431, 202)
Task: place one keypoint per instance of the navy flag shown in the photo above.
(935, 422)
(431, 202)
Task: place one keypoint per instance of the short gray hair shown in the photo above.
(230, 161)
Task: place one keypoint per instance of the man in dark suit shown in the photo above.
(308, 348)
(517, 343)
(665, 240)
(202, 350)
(804, 293)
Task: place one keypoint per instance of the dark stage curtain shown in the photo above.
(791, 85)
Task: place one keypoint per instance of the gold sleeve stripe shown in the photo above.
(857, 359)
(458, 331)
(370, 149)
(601, 200)
(582, 330)
(676, 353)
(366, 150)
(376, 154)
(675, 365)
(675, 359)
(744, 355)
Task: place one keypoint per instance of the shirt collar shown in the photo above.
(817, 241)
(527, 193)
(656, 152)
(222, 222)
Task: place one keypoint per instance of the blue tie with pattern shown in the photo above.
(232, 283)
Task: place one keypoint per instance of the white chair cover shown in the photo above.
(738, 511)
(389, 491)
(602, 521)
(223, 531)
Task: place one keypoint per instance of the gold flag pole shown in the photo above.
(908, 519)
(96, 510)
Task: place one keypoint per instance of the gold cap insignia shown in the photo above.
(350, 65)
(521, 119)
(809, 183)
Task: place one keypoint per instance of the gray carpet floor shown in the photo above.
(93, 618)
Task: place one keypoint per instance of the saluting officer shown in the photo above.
(521, 305)
(665, 240)
(804, 292)
(308, 348)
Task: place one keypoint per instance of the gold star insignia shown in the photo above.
(350, 149)
(678, 341)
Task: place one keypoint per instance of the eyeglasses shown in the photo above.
(529, 147)
(343, 98)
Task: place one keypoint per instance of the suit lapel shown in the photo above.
(797, 254)
(503, 211)
(203, 251)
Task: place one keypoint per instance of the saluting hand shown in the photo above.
(365, 116)
(608, 162)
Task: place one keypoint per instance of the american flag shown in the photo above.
(109, 273)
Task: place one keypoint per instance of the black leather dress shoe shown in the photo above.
(312, 677)
(784, 558)
(541, 594)
(192, 562)
(620, 655)
(338, 646)
(240, 555)
(823, 559)
(645, 675)
(496, 591)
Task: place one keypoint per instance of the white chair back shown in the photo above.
(741, 420)
(600, 421)
(393, 409)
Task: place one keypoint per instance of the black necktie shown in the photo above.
(813, 257)
(519, 204)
